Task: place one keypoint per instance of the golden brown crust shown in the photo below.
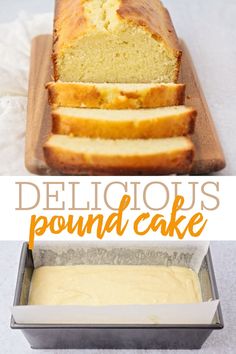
(74, 163)
(176, 43)
(77, 95)
(69, 23)
(152, 15)
(172, 126)
(73, 95)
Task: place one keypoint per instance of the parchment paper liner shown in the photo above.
(187, 254)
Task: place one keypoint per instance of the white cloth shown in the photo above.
(15, 43)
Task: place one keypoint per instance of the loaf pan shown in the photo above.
(115, 336)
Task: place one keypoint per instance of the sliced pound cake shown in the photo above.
(124, 124)
(69, 155)
(114, 96)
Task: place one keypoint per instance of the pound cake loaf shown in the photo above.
(70, 155)
(114, 41)
(114, 96)
(124, 124)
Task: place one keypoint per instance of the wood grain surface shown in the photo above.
(209, 155)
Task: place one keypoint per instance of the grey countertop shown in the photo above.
(223, 253)
(209, 30)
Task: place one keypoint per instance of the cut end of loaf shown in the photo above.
(130, 57)
(75, 156)
(112, 41)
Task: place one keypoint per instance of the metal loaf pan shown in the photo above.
(115, 336)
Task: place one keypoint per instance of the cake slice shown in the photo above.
(73, 156)
(114, 96)
(124, 124)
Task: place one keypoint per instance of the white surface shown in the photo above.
(220, 342)
(9, 9)
(208, 28)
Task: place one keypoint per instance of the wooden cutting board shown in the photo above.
(209, 155)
